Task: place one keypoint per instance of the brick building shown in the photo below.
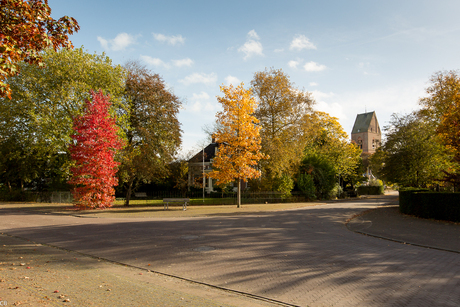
(366, 133)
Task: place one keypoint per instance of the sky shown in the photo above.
(353, 56)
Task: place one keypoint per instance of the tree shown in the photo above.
(441, 108)
(322, 172)
(95, 145)
(39, 116)
(281, 110)
(154, 134)
(327, 138)
(449, 133)
(239, 138)
(26, 30)
(411, 155)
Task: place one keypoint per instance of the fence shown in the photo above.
(61, 197)
(217, 198)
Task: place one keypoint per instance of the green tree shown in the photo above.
(154, 134)
(411, 155)
(39, 115)
(281, 111)
(322, 172)
(26, 29)
(45, 100)
(327, 138)
(442, 109)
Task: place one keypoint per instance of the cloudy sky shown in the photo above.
(354, 56)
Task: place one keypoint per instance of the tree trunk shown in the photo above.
(129, 191)
(239, 194)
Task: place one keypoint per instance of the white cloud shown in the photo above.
(202, 103)
(252, 46)
(293, 64)
(313, 84)
(104, 42)
(253, 35)
(120, 42)
(313, 66)
(184, 62)
(321, 95)
(232, 80)
(154, 61)
(201, 96)
(279, 50)
(158, 62)
(301, 42)
(172, 40)
(199, 78)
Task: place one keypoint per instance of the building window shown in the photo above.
(373, 143)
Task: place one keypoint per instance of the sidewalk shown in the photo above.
(38, 275)
(388, 223)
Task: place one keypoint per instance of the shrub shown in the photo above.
(307, 186)
(426, 204)
(370, 190)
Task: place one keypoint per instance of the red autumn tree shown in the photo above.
(93, 150)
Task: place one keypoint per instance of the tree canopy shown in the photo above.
(281, 110)
(26, 30)
(45, 100)
(38, 119)
(412, 155)
(327, 138)
(154, 133)
(441, 108)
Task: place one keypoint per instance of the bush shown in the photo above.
(370, 190)
(430, 205)
(322, 172)
(307, 185)
(19, 195)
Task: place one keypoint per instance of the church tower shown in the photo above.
(366, 133)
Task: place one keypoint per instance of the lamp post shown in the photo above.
(203, 175)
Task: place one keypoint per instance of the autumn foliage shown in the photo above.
(238, 137)
(93, 150)
(26, 29)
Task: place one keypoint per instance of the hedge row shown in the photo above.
(430, 205)
(370, 190)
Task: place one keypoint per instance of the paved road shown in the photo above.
(304, 257)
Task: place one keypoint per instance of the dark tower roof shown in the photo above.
(363, 122)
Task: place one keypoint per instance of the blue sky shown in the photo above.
(354, 56)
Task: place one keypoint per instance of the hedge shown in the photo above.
(370, 190)
(430, 205)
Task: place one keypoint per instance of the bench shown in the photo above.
(140, 194)
(184, 202)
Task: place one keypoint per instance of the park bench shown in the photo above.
(184, 202)
(140, 194)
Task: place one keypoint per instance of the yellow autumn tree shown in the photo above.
(238, 138)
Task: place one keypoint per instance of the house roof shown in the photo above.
(363, 121)
(209, 153)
